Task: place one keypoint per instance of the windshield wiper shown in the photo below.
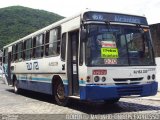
(108, 25)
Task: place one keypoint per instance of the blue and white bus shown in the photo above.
(90, 56)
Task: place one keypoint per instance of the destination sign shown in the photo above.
(109, 53)
(114, 17)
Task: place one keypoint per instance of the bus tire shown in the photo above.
(16, 88)
(59, 94)
(112, 101)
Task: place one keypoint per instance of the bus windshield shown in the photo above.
(113, 45)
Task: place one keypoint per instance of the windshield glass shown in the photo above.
(118, 45)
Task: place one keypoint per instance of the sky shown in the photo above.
(66, 8)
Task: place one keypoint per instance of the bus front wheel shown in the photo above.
(59, 93)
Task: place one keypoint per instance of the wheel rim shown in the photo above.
(15, 87)
(60, 92)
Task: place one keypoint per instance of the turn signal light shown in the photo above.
(148, 77)
(103, 79)
(88, 78)
(153, 76)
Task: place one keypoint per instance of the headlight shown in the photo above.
(96, 78)
(153, 76)
(148, 77)
(103, 79)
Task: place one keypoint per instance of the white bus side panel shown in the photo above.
(37, 74)
(71, 25)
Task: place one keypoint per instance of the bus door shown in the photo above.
(72, 63)
(8, 77)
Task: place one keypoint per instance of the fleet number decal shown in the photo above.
(32, 66)
(109, 53)
(140, 71)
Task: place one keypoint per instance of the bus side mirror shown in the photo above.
(83, 34)
(141, 30)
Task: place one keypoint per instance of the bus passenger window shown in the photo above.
(58, 39)
(81, 54)
(20, 52)
(13, 53)
(28, 49)
(63, 47)
(38, 42)
(16, 54)
(24, 48)
(5, 55)
(52, 42)
(46, 42)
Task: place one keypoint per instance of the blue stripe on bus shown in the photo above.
(47, 86)
(49, 79)
(23, 78)
(36, 79)
(65, 81)
(43, 87)
(80, 82)
(42, 79)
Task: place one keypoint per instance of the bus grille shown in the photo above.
(124, 81)
(129, 90)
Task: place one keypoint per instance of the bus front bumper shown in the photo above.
(104, 92)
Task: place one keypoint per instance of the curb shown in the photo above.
(156, 97)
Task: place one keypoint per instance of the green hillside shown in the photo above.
(17, 22)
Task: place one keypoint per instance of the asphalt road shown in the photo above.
(37, 106)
